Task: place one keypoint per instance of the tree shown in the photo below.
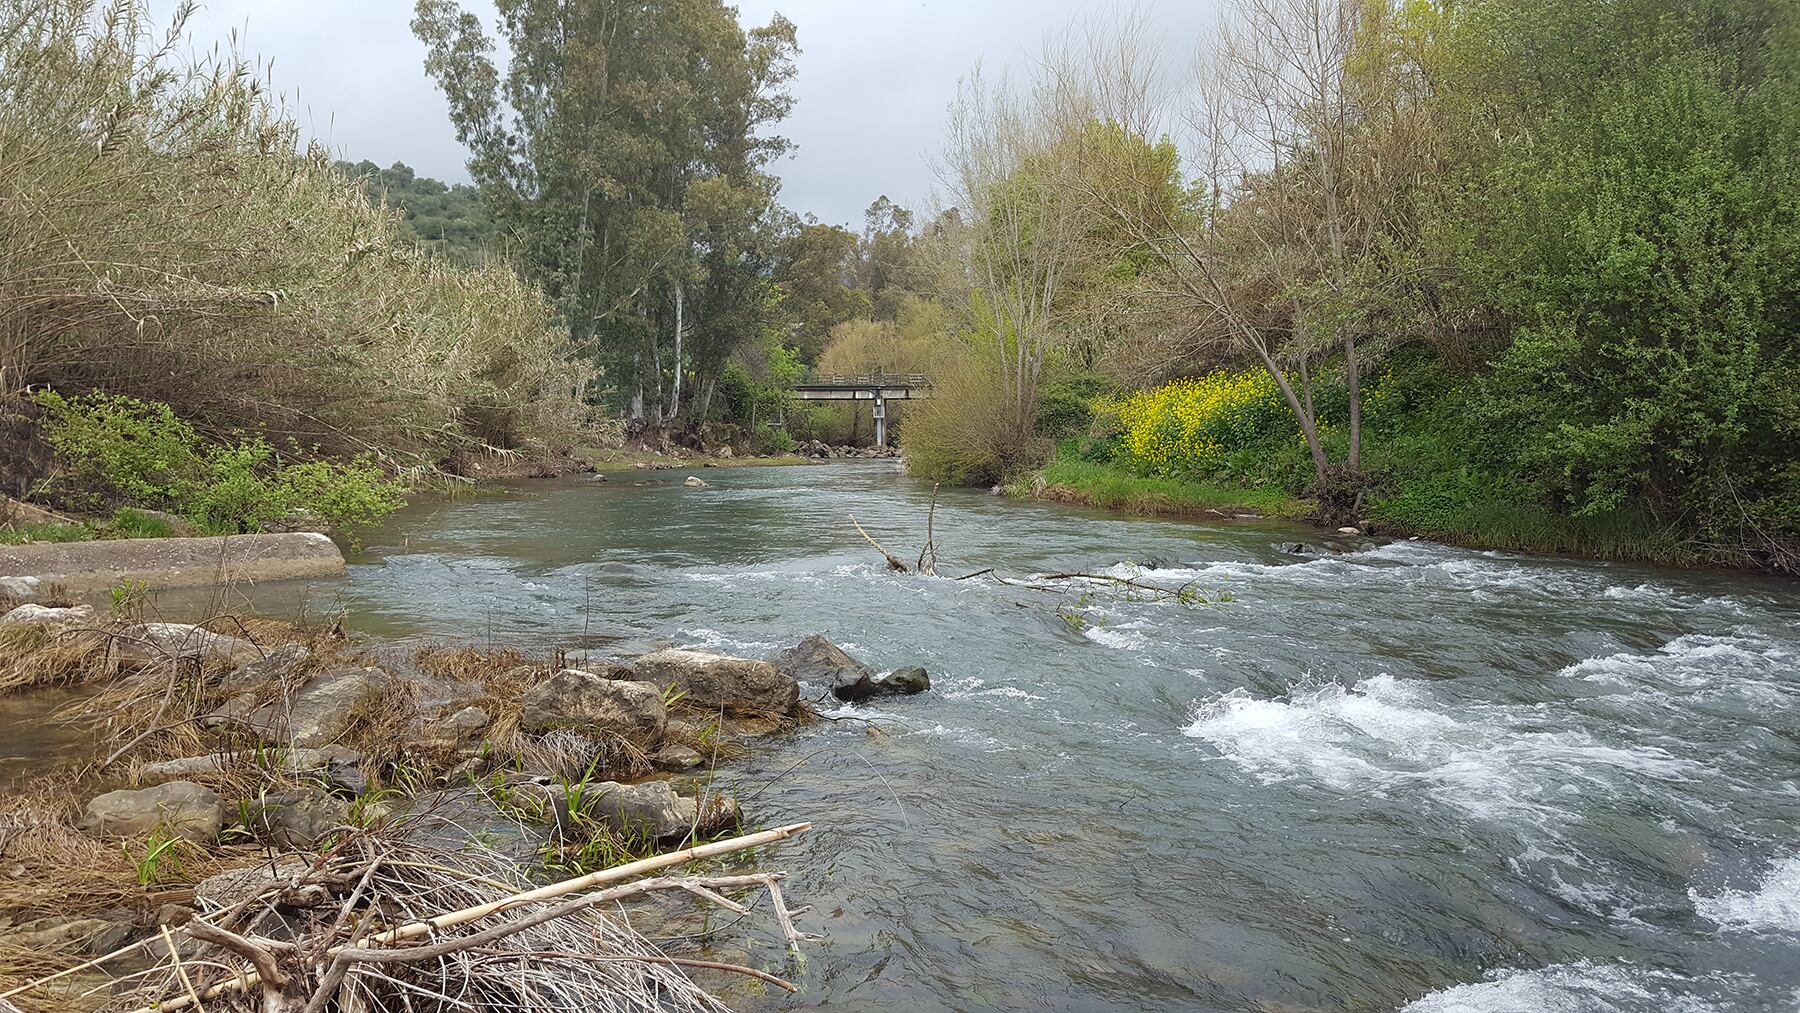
(623, 152)
(1312, 135)
(816, 267)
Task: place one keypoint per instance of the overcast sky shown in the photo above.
(874, 79)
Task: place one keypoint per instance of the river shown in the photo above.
(1412, 777)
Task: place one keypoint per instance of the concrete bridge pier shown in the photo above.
(880, 420)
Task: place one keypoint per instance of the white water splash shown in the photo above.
(1565, 988)
(1773, 906)
(1386, 733)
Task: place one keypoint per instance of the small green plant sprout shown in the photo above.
(672, 694)
(129, 598)
(161, 860)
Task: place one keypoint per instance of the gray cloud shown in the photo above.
(874, 80)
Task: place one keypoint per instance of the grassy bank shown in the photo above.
(1108, 487)
(1479, 523)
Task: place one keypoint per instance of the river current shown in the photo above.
(1410, 777)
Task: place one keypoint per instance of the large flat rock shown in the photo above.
(80, 567)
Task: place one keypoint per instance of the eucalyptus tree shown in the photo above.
(624, 150)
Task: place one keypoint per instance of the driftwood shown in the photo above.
(927, 561)
(557, 950)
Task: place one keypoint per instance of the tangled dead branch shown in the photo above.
(390, 922)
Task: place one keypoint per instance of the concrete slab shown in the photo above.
(80, 567)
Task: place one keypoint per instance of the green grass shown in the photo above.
(46, 533)
(1109, 487)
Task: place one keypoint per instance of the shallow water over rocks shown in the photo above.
(1413, 777)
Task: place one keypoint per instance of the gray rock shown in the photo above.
(1295, 549)
(20, 588)
(83, 935)
(467, 723)
(298, 819)
(693, 482)
(276, 666)
(607, 700)
(651, 810)
(180, 807)
(327, 760)
(676, 757)
(40, 615)
(712, 681)
(315, 716)
(238, 885)
(904, 682)
(153, 643)
(820, 661)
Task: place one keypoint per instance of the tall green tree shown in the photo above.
(624, 151)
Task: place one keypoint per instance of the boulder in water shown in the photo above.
(817, 660)
(610, 700)
(693, 482)
(713, 681)
(904, 682)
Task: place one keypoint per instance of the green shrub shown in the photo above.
(116, 448)
(347, 495)
(119, 451)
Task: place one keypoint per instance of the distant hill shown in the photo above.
(451, 220)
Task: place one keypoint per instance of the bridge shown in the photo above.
(877, 387)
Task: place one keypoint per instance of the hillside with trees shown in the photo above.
(1514, 274)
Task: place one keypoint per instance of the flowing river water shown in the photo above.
(1411, 777)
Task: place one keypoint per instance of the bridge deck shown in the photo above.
(864, 388)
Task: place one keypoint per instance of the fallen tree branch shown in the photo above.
(894, 562)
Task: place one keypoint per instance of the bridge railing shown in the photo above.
(873, 380)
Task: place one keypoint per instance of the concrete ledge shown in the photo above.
(173, 562)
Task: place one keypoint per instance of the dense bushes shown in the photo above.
(118, 452)
(163, 237)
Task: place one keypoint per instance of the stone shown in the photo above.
(236, 886)
(819, 661)
(1295, 549)
(676, 758)
(467, 723)
(179, 807)
(723, 453)
(276, 666)
(154, 643)
(1349, 531)
(298, 819)
(315, 716)
(694, 482)
(904, 682)
(711, 681)
(20, 588)
(332, 761)
(40, 615)
(610, 699)
(651, 810)
(83, 935)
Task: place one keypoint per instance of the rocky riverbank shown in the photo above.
(227, 752)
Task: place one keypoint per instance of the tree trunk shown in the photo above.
(1354, 374)
(675, 398)
(1309, 426)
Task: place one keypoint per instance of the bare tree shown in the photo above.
(1305, 144)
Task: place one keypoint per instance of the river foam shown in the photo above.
(1385, 733)
(1774, 906)
(1567, 988)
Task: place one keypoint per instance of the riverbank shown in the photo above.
(219, 754)
(1490, 526)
